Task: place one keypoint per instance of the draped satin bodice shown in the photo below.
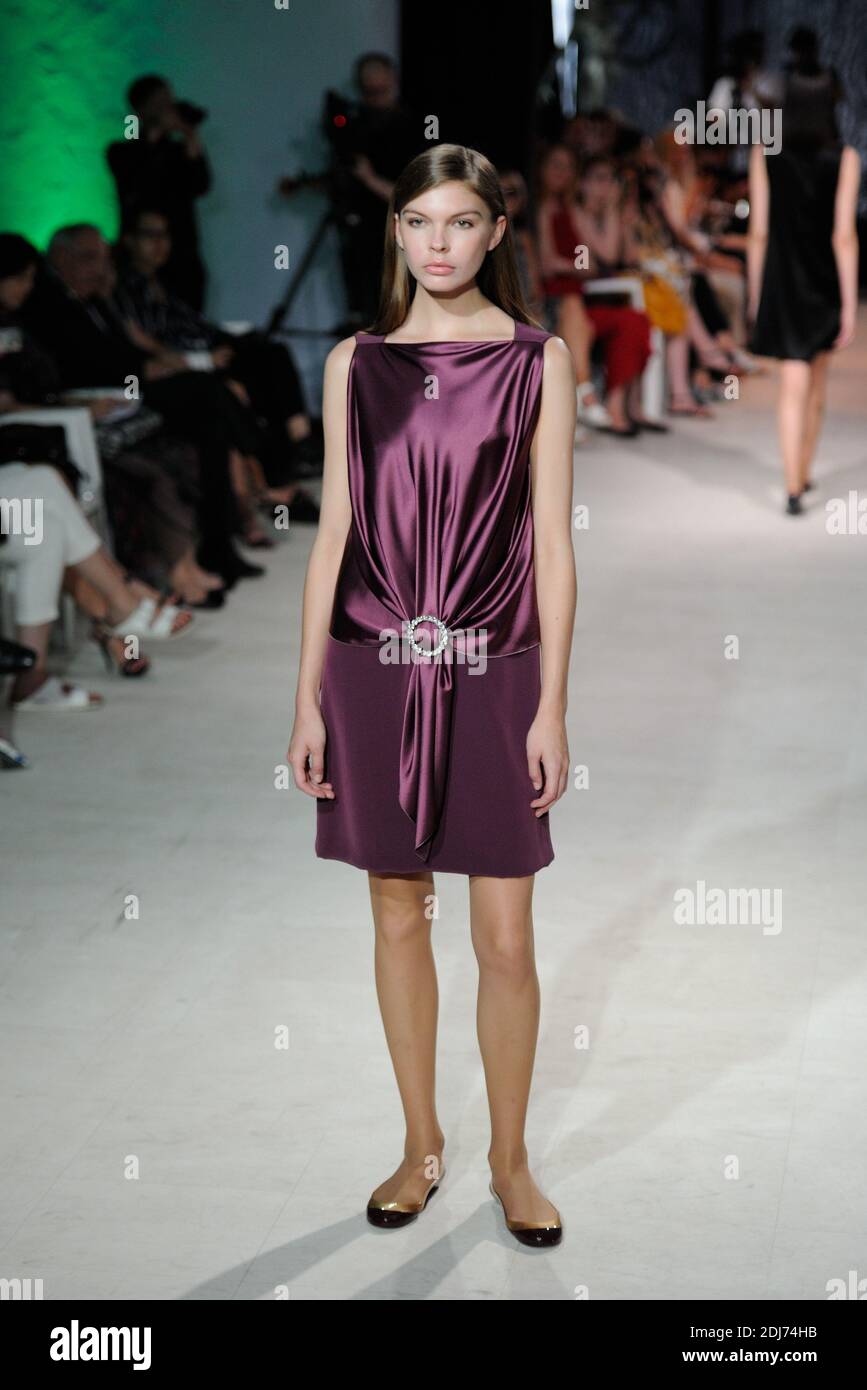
(438, 456)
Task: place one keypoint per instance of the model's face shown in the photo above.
(558, 172)
(446, 234)
(14, 289)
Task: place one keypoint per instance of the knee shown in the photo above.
(45, 482)
(402, 924)
(506, 951)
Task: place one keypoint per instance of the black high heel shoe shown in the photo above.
(228, 564)
(530, 1232)
(214, 598)
(14, 657)
(390, 1214)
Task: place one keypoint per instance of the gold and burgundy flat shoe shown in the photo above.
(530, 1232)
(390, 1214)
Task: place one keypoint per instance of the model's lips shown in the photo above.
(439, 268)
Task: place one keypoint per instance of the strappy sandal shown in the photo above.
(699, 411)
(153, 622)
(55, 694)
(117, 664)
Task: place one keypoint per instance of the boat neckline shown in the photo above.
(450, 342)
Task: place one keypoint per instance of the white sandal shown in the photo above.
(54, 693)
(592, 413)
(145, 621)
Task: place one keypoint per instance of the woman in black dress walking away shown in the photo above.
(803, 260)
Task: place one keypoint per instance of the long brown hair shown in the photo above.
(497, 277)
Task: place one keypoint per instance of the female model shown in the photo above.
(802, 258)
(445, 524)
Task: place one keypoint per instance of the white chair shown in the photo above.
(81, 447)
(653, 377)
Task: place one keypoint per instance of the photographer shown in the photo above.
(166, 168)
(374, 145)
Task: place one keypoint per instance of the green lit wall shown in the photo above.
(66, 65)
(261, 73)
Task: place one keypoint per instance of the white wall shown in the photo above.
(262, 72)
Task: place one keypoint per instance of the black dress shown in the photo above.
(799, 309)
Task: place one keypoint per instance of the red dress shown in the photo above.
(623, 332)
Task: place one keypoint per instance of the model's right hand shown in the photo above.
(308, 742)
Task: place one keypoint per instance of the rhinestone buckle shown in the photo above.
(444, 634)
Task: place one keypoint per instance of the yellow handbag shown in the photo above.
(664, 306)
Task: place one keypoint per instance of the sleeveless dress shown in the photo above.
(799, 309)
(427, 753)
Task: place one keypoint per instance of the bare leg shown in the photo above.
(406, 986)
(188, 579)
(792, 419)
(508, 1025)
(102, 572)
(576, 330)
(682, 401)
(815, 414)
(615, 400)
(34, 635)
(705, 344)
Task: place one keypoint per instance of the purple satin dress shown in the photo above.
(427, 754)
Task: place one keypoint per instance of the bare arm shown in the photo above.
(554, 560)
(674, 207)
(606, 242)
(844, 240)
(335, 516)
(551, 261)
(757, 236)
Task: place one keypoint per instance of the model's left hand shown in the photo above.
(847, 330)
(547, 760)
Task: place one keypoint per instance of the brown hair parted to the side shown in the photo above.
(498, 276)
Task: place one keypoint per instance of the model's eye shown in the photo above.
(413, 221)
(466, 221)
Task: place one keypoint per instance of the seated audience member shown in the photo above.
(70, 316)
(719, 288)
(163, 324)
(623, 332)
(603, 222)
(149, 479)
(65, 541)
(663, 266)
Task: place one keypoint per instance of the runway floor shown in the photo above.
(159, 1142)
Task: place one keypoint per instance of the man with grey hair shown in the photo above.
(71, 313)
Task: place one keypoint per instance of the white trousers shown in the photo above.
(44, 534)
